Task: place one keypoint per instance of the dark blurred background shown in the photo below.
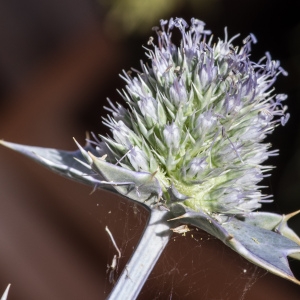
(59, 60)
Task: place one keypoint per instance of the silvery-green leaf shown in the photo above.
(5, 294)
(60, 161)
(261, 246)
(274, 222)
(139, 186)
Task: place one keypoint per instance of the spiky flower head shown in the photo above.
(198, 114)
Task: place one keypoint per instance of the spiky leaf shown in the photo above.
(263, 247)
(59, 161)
(5, 294)
(139, 186)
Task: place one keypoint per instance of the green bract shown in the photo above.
(190, 141)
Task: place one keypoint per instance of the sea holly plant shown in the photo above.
(189, 145)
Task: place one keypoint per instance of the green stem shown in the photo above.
(144, 258)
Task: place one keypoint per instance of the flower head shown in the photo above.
(198, 114)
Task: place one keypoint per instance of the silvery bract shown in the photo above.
(190, 141)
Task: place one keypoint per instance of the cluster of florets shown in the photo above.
(197, 116)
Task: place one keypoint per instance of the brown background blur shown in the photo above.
(59, 60)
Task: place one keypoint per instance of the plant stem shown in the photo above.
(153, 241)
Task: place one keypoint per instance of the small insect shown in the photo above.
(255, 240)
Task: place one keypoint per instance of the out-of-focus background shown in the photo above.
(59, 60)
